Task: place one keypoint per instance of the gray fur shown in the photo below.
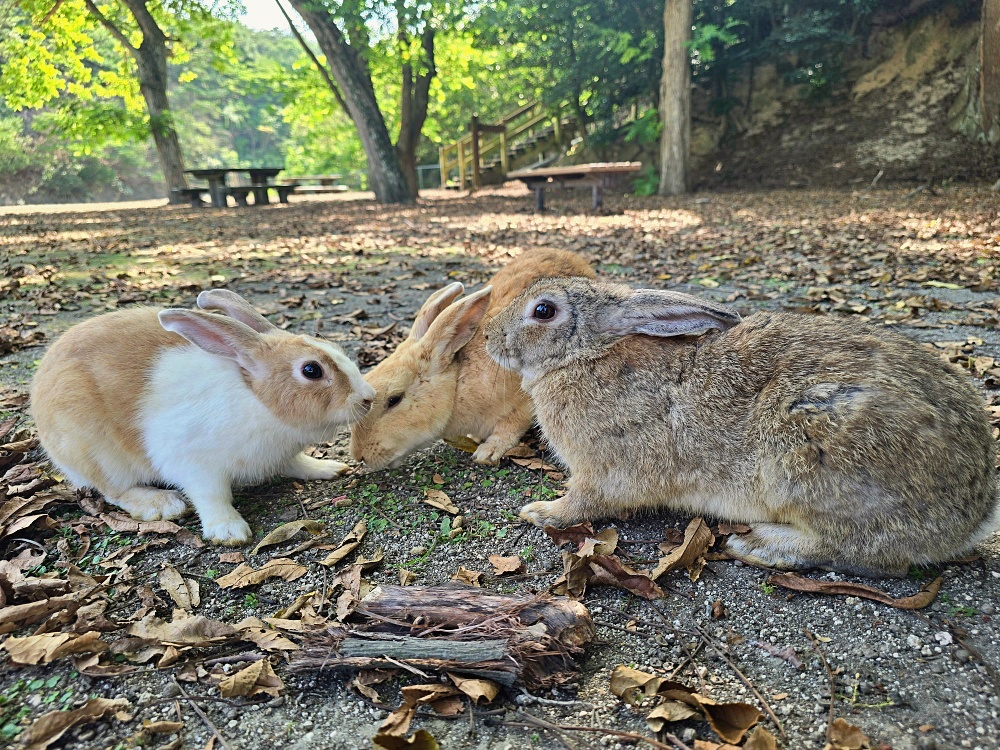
(842, 444)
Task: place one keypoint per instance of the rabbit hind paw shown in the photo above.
(557, 513)
(773, 546)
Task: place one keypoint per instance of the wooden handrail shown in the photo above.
(462, 152)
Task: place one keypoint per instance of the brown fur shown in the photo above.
(76, 378)
(467, 396)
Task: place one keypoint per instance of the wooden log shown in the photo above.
(457, 628)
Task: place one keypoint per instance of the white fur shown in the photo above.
(204, 434)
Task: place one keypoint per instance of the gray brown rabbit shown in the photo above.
(842, 444)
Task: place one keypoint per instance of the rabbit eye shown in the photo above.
(312, 371)
(544, 311)
(393, 400)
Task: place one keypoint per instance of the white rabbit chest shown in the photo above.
(197, 414)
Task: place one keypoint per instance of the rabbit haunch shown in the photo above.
(440, 383)
(842, 444)
(128, 407)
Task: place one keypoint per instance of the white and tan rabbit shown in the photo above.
(843, 445)
(440, 383)
(136, 401)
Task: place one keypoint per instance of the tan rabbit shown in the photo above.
(842, 444)
(439, 383)
(133, 402)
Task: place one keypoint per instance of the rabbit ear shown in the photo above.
(216, 334)
(659, 313)
(235, 307)
(456, 325)
(433, 307)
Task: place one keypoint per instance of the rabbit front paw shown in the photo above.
(490, 452)
(149, 503)
(231, 532)
(558, 513)
(306, 467)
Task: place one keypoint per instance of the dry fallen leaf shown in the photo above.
(122, 522)
(465, 575)
(438, 479)
(257, 632)
(194, 630)
(464, 444)
(442, 698)
(729, 720)
(697, 539)
(286, 531)
(348, 545)
(843, 735)
(501, 565)
(231, 557)
(49, 727)
(475, 689)
(46, 647)
(259, 677)
(419, 740)
(184, 591)
(406, 577)
(440, 500)
(281, 567)
(844, 588)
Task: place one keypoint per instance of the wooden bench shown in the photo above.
(595, 176)
(240, 193)
(192, 195)
(285, 189)
(324, 183)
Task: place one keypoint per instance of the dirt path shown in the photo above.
(930, 266)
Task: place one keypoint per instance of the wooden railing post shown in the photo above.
(461, 165)
(443, 161)
(557, 129)
(503, 153)
(474, 129)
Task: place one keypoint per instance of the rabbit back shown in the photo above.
(859, 437)
(85, 397)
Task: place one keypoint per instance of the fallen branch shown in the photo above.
(459, 629)
(203, 716)
(711, 642)
(531, 721)
(829, 676)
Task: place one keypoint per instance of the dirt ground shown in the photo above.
(928, 265)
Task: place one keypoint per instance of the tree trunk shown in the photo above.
(675, 98)
(385, 176)
(151, 60)
(413, 107)
(989, 70)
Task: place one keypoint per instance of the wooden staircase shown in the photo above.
(531, 135)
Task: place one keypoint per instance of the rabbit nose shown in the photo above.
(367, 404)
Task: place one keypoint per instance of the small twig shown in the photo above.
(550, 702)
(548, 726)
(829, 675)
(209, 698)
(407, 667)
(203, 716)
(877, 178)
(687, 660)
(235, 658)
(767, 706)
(533, 721)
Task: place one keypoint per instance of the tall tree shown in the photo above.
(344, 33)
(66, 53)
(989, 70)
(150, 57)
(675, 98)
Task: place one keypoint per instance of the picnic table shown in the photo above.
(324, 183)
(219, 190)
(596, 176)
